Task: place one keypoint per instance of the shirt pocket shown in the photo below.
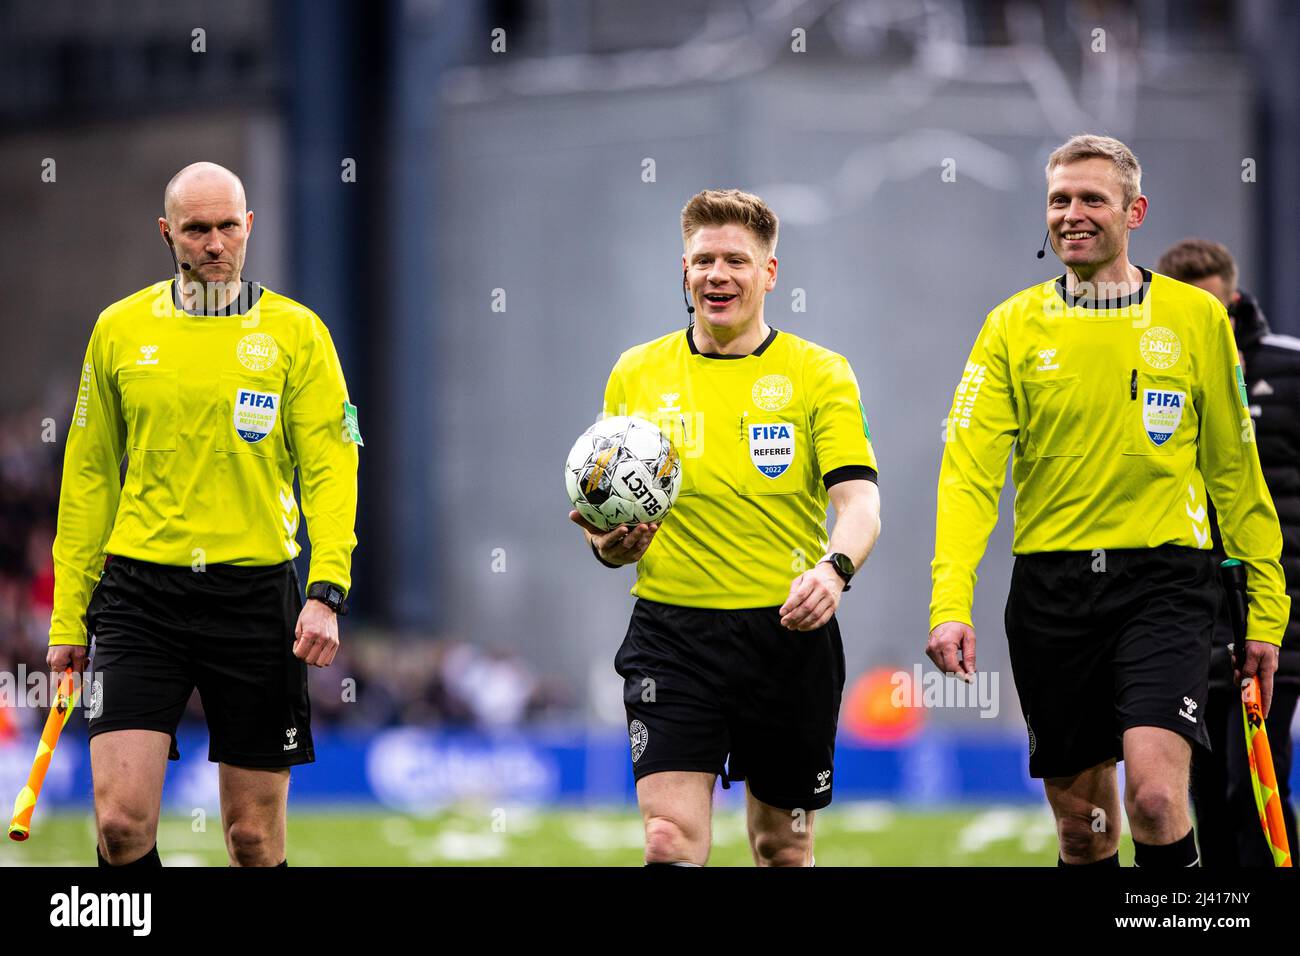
(1055, 417)
(773, 458)
(1159, 419)
(250, 411)
(151, 406)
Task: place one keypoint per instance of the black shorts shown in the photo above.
(159, 632)
(1107, 640)
(700, 685)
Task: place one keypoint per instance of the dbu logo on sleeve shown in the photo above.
(1162, 410)
(255, 414)
(771, 448)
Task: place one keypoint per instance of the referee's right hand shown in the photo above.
(625, 544)
(952, 648)
(62, 656)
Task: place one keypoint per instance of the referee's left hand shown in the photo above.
(1261, 662)
(814, 596)
(317, 634)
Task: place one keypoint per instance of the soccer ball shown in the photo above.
(622, 471)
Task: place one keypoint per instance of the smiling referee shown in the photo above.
(732, 662)
(214, 389)
(1121, 394)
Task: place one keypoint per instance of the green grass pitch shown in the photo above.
(848, 834)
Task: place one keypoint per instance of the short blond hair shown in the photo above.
(1191, 259)
(723, 207)
(1088, 146)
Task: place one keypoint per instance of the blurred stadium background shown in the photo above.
(511, 226)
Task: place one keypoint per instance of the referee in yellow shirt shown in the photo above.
(1121, 393)
(214, 389)
(732, 662)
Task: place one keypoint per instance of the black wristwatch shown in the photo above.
(328, 594)
(842, 564)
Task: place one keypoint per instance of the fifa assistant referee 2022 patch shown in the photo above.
(255, 413)
(1162, 410)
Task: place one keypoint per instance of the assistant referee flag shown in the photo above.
(213, 413)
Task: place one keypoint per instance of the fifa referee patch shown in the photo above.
(351, 430)
(1241, 388)
(771, 448)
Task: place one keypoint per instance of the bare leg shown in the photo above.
(677, 809)
(779, 837)
(128, 767)
(253, 812)
(1156, 763)
(1086, 806)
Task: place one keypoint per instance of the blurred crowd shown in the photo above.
(29, 496)
(377, 680)
(380, 681)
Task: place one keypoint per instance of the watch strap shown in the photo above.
(329, 594)
(829, 557)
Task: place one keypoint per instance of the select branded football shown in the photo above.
(622, 470)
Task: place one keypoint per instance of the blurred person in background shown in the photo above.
(1226, 817)
(495, 686)
(216, 389)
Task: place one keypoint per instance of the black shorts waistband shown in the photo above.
(705, 611)
(222, 576)
(1162, 551)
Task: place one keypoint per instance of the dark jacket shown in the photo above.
(1272, 368)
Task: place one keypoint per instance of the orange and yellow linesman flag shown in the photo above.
(1262, 776)
(66, 701)
(1263, 779)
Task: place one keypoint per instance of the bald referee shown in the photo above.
(732, 662)
(215, 390)
(1120, 391)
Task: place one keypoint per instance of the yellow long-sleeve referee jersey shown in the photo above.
(1122, 417)
(761, 438)
(213, 413)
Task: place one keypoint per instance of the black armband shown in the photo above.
(849, 473)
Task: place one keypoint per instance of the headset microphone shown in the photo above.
(1043, 251)
(690, 309)
(179, 266)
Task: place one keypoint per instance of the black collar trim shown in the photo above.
(250, 293)
(1083, 301)
(762, 346)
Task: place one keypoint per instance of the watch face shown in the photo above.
(328, 593)
(843, 564)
